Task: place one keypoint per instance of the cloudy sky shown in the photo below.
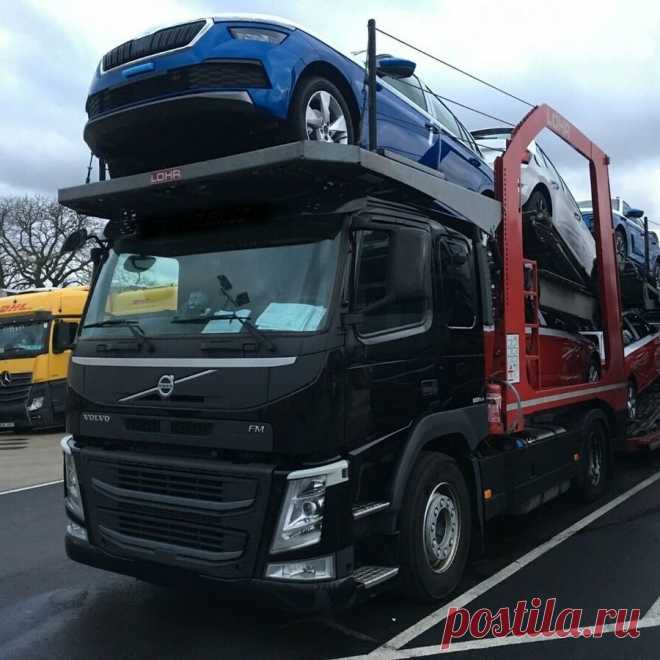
(596, 61)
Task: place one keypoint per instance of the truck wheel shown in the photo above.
(656, 275)
(435, 528)
(320, 112)
(594, 458)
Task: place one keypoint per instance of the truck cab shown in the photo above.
(282, 358)
(36, 329)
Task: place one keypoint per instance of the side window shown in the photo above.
(459, 286)
(409, 87)
(372, 281)
(443, 114)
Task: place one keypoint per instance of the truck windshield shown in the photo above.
(23, 338)
(250, 279)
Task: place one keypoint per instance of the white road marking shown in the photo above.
(20, 490)
(492, 642)
(389, 650)
(653, 611)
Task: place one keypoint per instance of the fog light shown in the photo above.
(301, 519)
(321, 568)
(77, 531)
(72, 498)
(36, 403)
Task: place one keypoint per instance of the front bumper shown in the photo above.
(177, 519)
(291, 595)
(48, 415)
(171, 131)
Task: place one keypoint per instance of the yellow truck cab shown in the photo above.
(37, 327)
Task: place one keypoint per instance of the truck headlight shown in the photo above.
(72, 498)
(36, 403)
(301, 519)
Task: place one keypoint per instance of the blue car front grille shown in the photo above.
(219, 75)
(158, 42)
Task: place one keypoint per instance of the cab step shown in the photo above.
(371, 576)
(362, 509)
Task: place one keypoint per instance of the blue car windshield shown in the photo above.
(216, 283)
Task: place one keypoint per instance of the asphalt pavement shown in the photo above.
(585, 556)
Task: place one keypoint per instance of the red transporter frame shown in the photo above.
(522, 397)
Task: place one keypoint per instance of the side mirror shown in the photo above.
(634, 213)
(395, 67)
(73, 242)
(408, 259)
(64, 335)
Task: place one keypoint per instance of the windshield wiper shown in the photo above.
(134, 327)
(246, 322)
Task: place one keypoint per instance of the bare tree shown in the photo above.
(32, 230)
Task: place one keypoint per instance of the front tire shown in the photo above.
(319, 112)
(435, 528)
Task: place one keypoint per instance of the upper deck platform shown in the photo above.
(276, 175)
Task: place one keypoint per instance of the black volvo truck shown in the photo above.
(279, 382)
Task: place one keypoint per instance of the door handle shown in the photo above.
(433, 128)
(474, 161)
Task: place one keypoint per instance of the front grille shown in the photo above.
(192, 428)
(213, 75)
(187, 484)
(189, 513)
(142, 425)
(17, 390)
(158, 42)
(145, 524)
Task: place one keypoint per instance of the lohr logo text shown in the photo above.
(166, 176)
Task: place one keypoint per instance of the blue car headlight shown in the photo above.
(258, 34)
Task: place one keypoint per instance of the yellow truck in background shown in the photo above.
(37, 327)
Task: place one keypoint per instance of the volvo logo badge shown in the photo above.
(165, 385)
(5, 379)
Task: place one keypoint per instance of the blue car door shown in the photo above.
(403, 124)
(457, 154)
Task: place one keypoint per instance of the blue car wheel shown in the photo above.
(319, 112)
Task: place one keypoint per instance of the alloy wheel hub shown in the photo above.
(441, 528)
(325, 120)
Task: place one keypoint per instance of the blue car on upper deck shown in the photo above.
(229, 84)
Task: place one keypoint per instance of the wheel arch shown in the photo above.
(456, 433)
(335, 76)
(544, 190)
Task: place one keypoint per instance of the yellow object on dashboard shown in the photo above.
(143, 301)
